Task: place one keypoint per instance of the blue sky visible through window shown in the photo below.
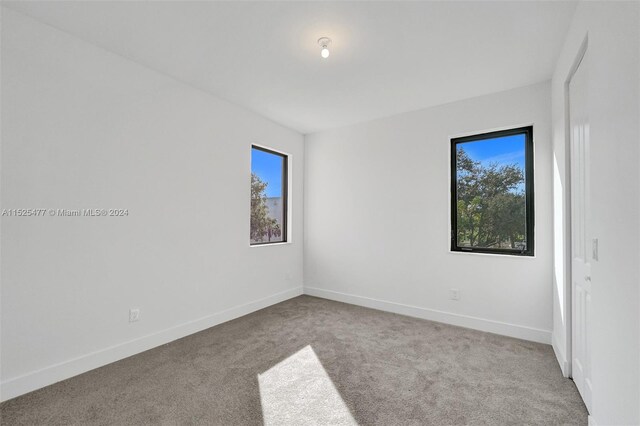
(268, 167)
(504, 150)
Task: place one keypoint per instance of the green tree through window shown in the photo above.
(263, 227)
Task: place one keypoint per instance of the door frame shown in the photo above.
(568, 254)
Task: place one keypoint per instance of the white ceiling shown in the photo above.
(386, 57)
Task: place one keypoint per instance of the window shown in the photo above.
(268, 196)
(492, 192)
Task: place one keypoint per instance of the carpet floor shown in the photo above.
(314, 361)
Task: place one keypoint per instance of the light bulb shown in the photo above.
(324, 43)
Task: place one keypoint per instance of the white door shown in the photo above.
(581, 243)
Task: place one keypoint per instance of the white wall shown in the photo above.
(83, 128)
(377, 218)
(613, 31)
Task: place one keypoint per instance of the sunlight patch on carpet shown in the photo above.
(298, 391)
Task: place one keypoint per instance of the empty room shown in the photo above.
(320, 213)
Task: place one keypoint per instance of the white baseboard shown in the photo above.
(591, 421)
(35, 380)
(497, 327)
(560, 356)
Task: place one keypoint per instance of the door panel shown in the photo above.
(580, 232)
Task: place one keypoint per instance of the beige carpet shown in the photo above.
(314, 361)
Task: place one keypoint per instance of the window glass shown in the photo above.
(268, 196)
(492, 192)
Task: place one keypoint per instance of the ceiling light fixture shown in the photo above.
(324, 43)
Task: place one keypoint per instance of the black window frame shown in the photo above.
(285, 196)
(529, 192)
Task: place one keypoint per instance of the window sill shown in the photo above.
(519, 256)
(270, 244)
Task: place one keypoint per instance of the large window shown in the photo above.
(268, 196)
(492, 192)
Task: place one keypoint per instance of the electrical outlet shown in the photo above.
(454, 294)
(134, 314)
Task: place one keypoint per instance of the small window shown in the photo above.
(492, 192)
(268, 196)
